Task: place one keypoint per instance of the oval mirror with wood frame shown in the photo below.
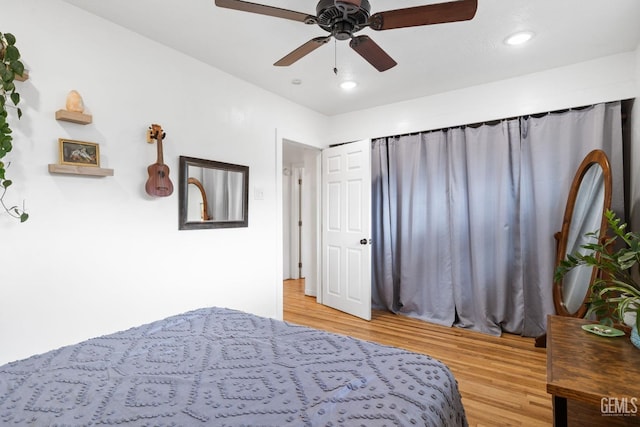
(589, 198)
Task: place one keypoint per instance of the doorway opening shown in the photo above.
(300, 214)
(332, 234)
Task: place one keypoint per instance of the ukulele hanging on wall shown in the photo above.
(158, 184)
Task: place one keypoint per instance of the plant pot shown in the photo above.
(635, 338)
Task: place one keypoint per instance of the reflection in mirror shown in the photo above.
(589, 198)
(197, 208)
(212, 194)
(587, 217)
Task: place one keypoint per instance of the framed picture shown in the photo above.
(79, 153)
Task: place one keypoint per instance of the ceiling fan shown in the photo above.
(344, 18)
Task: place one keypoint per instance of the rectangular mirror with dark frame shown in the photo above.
(212, 194)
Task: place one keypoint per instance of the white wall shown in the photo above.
(606, 79)
(98, 254)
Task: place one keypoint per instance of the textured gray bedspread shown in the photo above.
(220, 367)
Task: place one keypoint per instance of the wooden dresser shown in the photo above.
(596, 377)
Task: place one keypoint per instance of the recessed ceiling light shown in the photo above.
(296, 82)
(348, 85)
(519, 38)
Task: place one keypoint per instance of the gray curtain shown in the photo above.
(463, 218)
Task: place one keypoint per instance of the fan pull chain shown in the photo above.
(335, 57)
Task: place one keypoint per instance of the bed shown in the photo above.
(222, 367)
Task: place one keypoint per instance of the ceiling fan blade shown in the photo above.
(262, 9)
(302, 51)
(373, 53)
(454, 11)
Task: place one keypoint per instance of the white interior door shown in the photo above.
(346, 228)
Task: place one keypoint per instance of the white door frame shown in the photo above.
(282, 137)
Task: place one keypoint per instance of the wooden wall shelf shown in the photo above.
(73, 117)
(79, 170)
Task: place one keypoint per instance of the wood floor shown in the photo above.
(502, 380)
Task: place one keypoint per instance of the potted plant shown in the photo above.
(10, 67)
(615, 294)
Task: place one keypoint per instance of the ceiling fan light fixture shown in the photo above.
(519, 38)
(348, 85)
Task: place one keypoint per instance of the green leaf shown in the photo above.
(11, 53)
(24, 217)
(6, 74)
(6, 146)
(15, 97)
(19, 113)
(8, 85)
(18, 68)
(6, 183)
(10, 38)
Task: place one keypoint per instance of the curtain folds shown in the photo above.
(224, 190)
(463, 218)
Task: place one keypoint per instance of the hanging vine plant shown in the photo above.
(10, 67)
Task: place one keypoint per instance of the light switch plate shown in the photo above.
(258, 193)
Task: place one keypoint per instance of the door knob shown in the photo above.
(363, 241)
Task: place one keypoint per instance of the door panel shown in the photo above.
(346, 261)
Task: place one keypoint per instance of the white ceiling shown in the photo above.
(431, 59)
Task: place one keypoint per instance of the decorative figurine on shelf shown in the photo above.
(74, 102)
